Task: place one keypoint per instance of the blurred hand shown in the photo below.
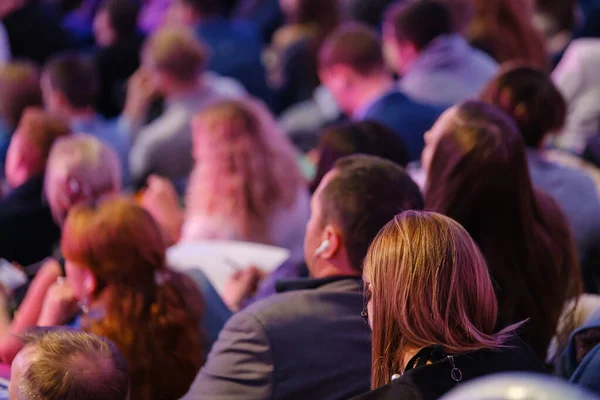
(140, 93)
(60, 304)
(10, 345)
(240, 286)
(161, 201)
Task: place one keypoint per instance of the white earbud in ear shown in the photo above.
(323, 247)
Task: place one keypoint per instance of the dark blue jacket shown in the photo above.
(410, 120)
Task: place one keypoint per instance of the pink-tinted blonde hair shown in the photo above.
(245, 170)
(429, 285)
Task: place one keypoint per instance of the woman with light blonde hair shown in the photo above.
(245, 186)
(432, 309)
(80, 169)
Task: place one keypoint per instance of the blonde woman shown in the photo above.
(432, 309)
(245, 186)
(80, 169)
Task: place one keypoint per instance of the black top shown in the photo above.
(431, 381)
(28, 233)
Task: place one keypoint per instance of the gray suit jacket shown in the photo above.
(305, 344)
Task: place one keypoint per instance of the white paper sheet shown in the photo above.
(219, 259)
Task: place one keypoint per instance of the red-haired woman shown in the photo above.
(432, 308)
(115, 262)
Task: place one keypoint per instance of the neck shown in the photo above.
(80, 114)
(184, 89)
(332, 270)
(372, 89)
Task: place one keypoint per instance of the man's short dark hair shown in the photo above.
(355, 45)
(204, 7)
(72, 365)
(75, 77)
(364, 194)
(420, 21)
(123, 15)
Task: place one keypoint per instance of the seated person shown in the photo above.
(118, 54)
(27, 229)
(235, 46)
(173, 61)
(531, 99)
(116, 274)
(308, 341)
(352, 67)
(68, 364)
(70, 85)
(19, 89)
(436, 64)
(431, 305)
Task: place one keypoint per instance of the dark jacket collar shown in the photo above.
(309, 283)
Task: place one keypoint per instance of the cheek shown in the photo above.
(370, 312)
(76, 277)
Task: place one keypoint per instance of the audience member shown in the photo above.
(530, 97)
(22, 211)
(77, 21)
(504, 29)
(265, 14)
(477, 174)
(68, 364)
(249, 168)
(116, 270)
(80, 169)
(558, 22)
(235, 46)
(153, 14)
(462, 12)
(292, 57)
(350, 138)
(19, 89)
(173, 61)
(445, 331)
(33, 30)
(118, 54)
(309, 342)
(437, 65)
(367, 12)
(352, 67)
(70, 86)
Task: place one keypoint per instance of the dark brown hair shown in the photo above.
(479, 177)
(355, 45)
(364, 194)
(530, 97)
(123, 16)
(419, 22)
(153, 313)
(323, 14)
(75, 77)
(368, 137)
(41, 130)
(19, 89)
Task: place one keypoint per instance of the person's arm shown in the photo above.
(239, 366)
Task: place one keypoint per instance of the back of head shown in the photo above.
(429, 264)
(462, 12)
(176, 52)
(363, 194)
(123, 16)
(321, 14)
(530, 97)
(153, 313)
(367, 137)
(353, 45)
(63, 364)
(204, 7)
(19, 89)
(40, 129)
(419, 21)
(80, 169)
(75, 78)
(479, 177)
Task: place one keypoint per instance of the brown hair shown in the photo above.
(177, 52)
(479, 176)
(504, 28)
(530, 97)
(152, 313)
(364, 193)
(41, 130)
(19, 89)
(323, 14)
(355, 45)
(429, 285)
(74, 76)
(69, 364)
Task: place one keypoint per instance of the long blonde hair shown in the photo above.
(429, 285)
(245, 169)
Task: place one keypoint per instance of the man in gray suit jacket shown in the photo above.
(309, 341)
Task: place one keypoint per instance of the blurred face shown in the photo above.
(337, 81)
(399, 55)
(179, 14)
(433, 136)
(315, 228)
(288, 7)
(103, 32)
